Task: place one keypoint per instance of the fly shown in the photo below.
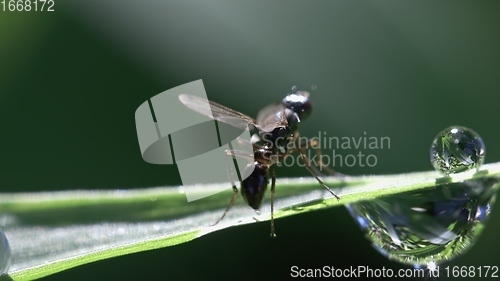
(277, 137)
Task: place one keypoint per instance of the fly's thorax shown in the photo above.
(278, 139)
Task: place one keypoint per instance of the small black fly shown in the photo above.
(277, 137)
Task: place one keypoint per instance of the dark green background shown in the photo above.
(71, 80)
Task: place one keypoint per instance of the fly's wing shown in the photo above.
(215, 165)
(271, 117)
(217, 112)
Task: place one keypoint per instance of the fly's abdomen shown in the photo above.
(254, 187)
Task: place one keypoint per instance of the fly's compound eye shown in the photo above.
(299, 103)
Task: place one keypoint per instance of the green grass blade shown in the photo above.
(53, 231)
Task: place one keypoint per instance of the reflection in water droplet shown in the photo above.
(4, 253)
(456, 150)
(427, 227)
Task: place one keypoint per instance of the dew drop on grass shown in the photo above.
(427, 228)
(456, 150)
(4, 253)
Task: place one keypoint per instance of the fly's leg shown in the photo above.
(240, 153)
(235, 189)
(312, 143)
(308, 168)
(273, 185)
(229, 157)
(233, 184)
(322, 166)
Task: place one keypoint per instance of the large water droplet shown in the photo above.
(4, 253)
(456, 150)
(424, 228)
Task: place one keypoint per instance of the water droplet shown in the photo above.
(425, 228)
(4, 253)
(294, 89)
(314, 87)
(457, 149)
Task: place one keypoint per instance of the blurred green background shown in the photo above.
(71, 80)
